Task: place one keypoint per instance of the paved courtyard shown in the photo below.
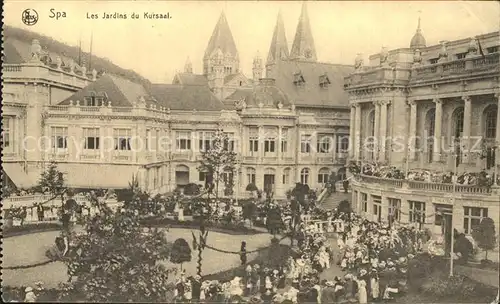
(29, 249)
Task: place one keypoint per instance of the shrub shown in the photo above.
(484, 235)
(441, 285)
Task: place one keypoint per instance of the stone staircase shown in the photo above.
(334, 199)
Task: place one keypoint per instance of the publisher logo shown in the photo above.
(29, 17)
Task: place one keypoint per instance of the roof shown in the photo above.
(186, 97)
(279, 45)
(120, 91)
(222, 39)
(190, 79)
(266, 92)
(15, 51)
(303, 44)
(310, 93)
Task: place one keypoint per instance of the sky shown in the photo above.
(157, 49)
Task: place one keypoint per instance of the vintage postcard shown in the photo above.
(250, 151)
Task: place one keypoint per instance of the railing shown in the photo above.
(250, 158)
(12, 69)
(323, 195)
(181, 155)
(457, 67)
(426, 186)
(385, 181)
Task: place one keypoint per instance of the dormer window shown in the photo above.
(433, 60)
(461, 55)
(95, 100)
(324, 81)
(493, 49)
(298, 79)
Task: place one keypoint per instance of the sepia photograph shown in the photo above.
(253, 152)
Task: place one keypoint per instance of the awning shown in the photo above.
(16, 173)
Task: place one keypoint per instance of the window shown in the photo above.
(491, 121)
(286, 176)
(284, 140)
(253, 140)
(433, 60)
(270, 141)
(377, 207)
(305, 144)
(6, 132)
(472, 217)
(92, 138)
(60, 138)
(202, 176)
(304, 176)
(205, 140)
(122, 139)
(95, 100)
(394, 210)
(430, 125)
(230, 144)
(323, 176)
(324, 143)
(148, 140)
(183, 140)
(493, 49)
(227, 177)
(324, 81)
(342, 144)
(417, 212)
(251, 175)
(298, 79)
(458, 122)
(461, 55)
(364, 202)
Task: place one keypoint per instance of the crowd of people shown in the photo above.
(482, 178)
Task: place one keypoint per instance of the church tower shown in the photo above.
(303, 44)
(221, 42)
(188, 66)
(257, 68)
(279, 47)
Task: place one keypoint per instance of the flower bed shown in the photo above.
(30, 228)
(230, 228)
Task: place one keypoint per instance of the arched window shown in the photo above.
(323, 175)
(430, 120)
(490, 121)
(458, 122)
(371, 123)
(286, 176)
(304, 176)
(251, 175)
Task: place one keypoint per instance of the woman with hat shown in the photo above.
(374, 285)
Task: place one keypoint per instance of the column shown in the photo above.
(497, 139)
(467, 126)
(278, 144)
(334, 145)
(376, 131)
(412, 135)
(385, 209)
(437, 130)
(383, 130)
(352, 131)
(261, 142)
(356, 137)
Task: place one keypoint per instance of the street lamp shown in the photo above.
(453, 199)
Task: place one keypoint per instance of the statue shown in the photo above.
(443, 53)
(417, 58)
(84, 71)
(358, 62)
(383, 56)
(71, 66)
(293, 107)
(94, 74)
(36, 49)
(280, 105)
(59, 62)
(473, 46)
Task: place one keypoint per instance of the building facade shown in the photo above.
(291, 125)
(432, 108)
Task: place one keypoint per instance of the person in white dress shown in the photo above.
(362, 296)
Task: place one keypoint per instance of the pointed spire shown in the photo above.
(188, 66)
(279, 45)
(222, 38)
(303, 44)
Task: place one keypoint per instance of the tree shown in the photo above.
(484, 235)
(114, 259)
(218, 159)
(180, 252)
(192, 189)
(52, 180)
(251, 188)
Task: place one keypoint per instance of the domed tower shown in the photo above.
(418, 40)
(257, 68)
